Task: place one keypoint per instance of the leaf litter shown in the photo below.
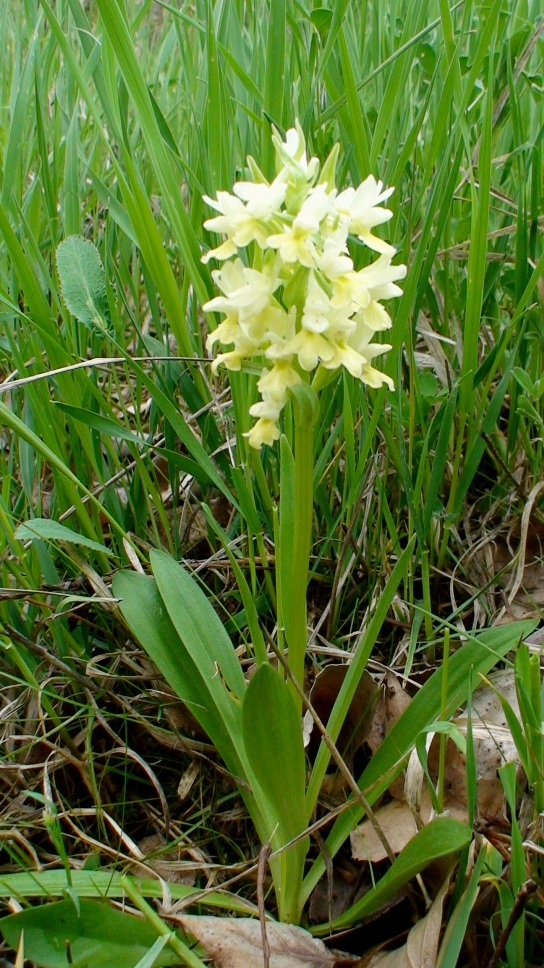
(493, 747)
(238, 943)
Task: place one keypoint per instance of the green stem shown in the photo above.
(425, 575)
(295, 532)
(302, 541)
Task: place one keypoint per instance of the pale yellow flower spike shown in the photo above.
(301, 304)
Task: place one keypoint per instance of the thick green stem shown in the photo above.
(295, 533)
(297, 637)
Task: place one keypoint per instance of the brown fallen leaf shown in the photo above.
(392, 702)
(335, 892)
(398, 824)
(518, 557)
(493, 743)
(421, 946)
(237, 943)
(172, 866)
(323, 696)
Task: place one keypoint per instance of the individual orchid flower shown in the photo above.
(296, 243)
(263, 432)
(310, 349)
(244, 223)
(360, 207)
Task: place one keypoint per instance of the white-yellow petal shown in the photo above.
(263, 432)
(275, 382)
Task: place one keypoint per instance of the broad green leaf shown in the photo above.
(55, 936)
(441, 837)
(49, 530)
(107, 883)
(177, 626)
(248, 600)
(197, 683)
(197, 624)
(83, 283)
(272, 733)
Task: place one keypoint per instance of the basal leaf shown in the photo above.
(174, 624)
(272, 734)
(108, 883)
(55, 936)
(196, 684)
(196, 622)
(273, 738)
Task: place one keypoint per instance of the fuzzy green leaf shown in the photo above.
(83, 283)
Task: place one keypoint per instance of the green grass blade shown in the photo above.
(441, 837)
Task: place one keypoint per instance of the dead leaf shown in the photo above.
(237, 943)
(390, 706)
(493, 743)
(486, 703)
(335, 892)
(421, 946)
(524, 579)
(323, 696)
(493, 747)
(398, 824)
(185, 785)
(167, 864)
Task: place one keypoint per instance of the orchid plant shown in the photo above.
(295, 311)
(299, 312)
